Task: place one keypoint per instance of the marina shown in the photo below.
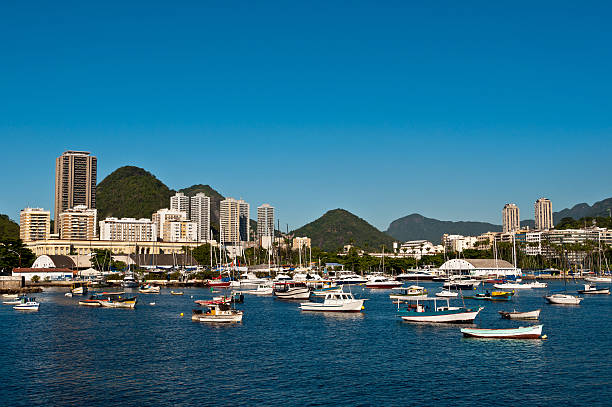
(276, 338)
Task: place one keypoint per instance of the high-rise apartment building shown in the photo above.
(78, 223)
(180, 202)
(162, 219)
(245, 220)
(34, 224)
(229, 221)
(200, 214)
(75, 182)
(128, 230)
(511, 218)
(265, 221)
(181, 231)
(543, 214)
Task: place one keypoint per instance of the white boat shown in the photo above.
(530, 332)
(10, 296)
(217, 313)
(327, 288)
(408, 293)
(119, 302)
(444, 313)
(350, 278)
(447, 294)
(262, 290)
(149, 289)
(15, 301)
(537, 284)
(563, 299)
(415, 275)
(461, 283)
(247, 281)
(512, 286)
(129, 281)
(291, 291)
(68, 295)
(335, 302)
(599, 279)
(27, 304)
(379, 281)
(78, 289)
(592, 289)
(520, 315)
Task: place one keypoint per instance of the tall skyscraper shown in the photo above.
(245, 220)
(180, 202)
(511, 218)
(75, 182)
(543, 214)
(34, 224)
(200, 214)
(229, 221)
(265, 221)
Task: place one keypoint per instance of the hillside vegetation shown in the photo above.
(339, 227)
(9, 230)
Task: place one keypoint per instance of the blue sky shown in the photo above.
(385, 109)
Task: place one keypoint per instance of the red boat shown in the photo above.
(218, 283)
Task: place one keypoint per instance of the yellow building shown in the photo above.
(34, 224)
(78, 223)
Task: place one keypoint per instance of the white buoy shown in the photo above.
(151, 303)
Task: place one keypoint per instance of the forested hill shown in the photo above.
(339, 227)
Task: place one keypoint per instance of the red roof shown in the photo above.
(49, 270)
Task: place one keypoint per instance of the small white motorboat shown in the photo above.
(520, 315)
(563, 299)
(18, 300)
(408, 293)
(536, 284)
(383, 282)
(149, 289)
(28, 304)
(419, 311)
(530, 332)
(592, 289)
(599, 279)
(10, 296)
(512, 286)
(447, 294)
(217, 313)
(68, 295)
(335, 302)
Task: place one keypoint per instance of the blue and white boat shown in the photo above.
(437, 310)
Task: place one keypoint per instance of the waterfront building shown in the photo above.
(511, 218)
(480, 267)
(34, 224)
(180, 202)
(485, 241)
(75, 182)
(162, 219)
(128, 230)
(458, 243)
(200, 214)
(181, 231)
(301, 242)
(543, 214)
(265, 221)
(533, 240)
(78, 223)
(244, 211)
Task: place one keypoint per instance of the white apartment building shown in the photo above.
(543, 214)
(229, 221)
(180, 202)
(78, 223)
(128, 230)
(458, 243)
(534, 243)
(419, 248)
(163, 217)
(182, 231)
(244, 210)
(200, 214)
(511, 219)
(34, 224)
(265, 221)
(300, 242)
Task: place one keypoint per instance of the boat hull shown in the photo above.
(534, 332)
(452, 316)
(603, 291)
(384, 285)
(563, 299)
(26, 307)
(521, 315)
(353, 306)
(301, 293)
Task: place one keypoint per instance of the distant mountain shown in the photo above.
(339, 227)
(9, 230)
(131, 192)
(417, 227)
(583, 210)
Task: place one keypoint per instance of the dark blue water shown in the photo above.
(70, 355)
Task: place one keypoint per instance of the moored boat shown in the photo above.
(563, 299)
(530, 332)
(447, 294)
(291, 291)
(217, 313)
(78, 289)
(419, 311)
(592, 289)
(176, 293)
(27, 304)
(489, 297)
(149, 289)
(119, 302)
(382, 282)
(408, 293)
(537, 284)
(598, 279)
(335, 302)
(520, 315)
(512, 286)
(93, 301)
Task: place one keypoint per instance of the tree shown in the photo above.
(14, 254)
(35, 278)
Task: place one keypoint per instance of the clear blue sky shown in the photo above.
(448, 109)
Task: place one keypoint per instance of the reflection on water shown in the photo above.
(70, 355)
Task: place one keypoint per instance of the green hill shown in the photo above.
(339, 227)
(9, 230)
(131, 192)
(602, 209)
